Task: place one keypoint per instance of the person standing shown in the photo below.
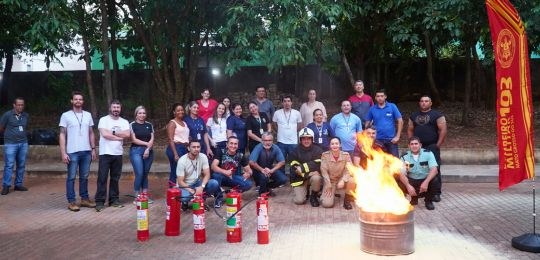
(206, 104)
(385, 116)
(257, 124)
(178, 137)
(430, 126)
(141, 153)
(288, 121)
(360, 101)
(78, 150)
(307, 109)
(236, 125)
(216, 126)
(226, 101)
(345, 126)
(196, 125)
(14, 124)
(323, 131)
(265, 105)
(113, 129)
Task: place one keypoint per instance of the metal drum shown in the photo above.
(386, 233)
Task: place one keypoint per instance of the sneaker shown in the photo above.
(21, 188)
(218, 202)
(437, 198)
(73, 207)
(100, 207)
(185, 206)
(87, 203)
(414, 201)
(116, 204)
(429, 205)
(5, 190)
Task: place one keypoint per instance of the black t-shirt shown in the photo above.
(230, 162)
(142, 131)
(256, 124)
(425, 126)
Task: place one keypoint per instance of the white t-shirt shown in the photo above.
(287, 125)
(77, 130)
(191, 169)
(107, 146)
(306, 111)
(217, 131)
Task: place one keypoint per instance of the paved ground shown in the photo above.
(474, 221)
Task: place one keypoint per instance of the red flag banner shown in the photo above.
(514, 103)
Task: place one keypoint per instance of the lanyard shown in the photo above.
(79, 121)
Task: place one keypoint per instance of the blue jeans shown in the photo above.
(141, 167)
(389, 147)
(286, 149)
(180, 150)
(78, 161)
(212, 188)
(237, 181)
(14, 154)
(277, 179)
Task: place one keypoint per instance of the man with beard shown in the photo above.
(78, 150)
(112, 129)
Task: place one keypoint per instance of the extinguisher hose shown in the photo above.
(225, 219)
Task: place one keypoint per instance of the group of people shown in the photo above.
(207, 147)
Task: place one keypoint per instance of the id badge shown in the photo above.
(198, 136)
(261, 130)
(320, 140)
(21, 128)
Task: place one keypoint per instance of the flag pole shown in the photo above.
(529, 242)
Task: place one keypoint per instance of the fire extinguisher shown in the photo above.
(262, 220)
(233, 202)
(143, 233)
(199, 228)
(172, 220)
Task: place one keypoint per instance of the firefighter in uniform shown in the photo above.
(305, 162)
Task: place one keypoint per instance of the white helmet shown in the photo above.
(306, 132)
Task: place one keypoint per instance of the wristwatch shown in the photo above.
(203, 186)
(113, 132)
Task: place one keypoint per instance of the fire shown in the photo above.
(377, 189)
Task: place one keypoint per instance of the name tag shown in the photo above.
(198, 136)
(320, 140)
(21, 128)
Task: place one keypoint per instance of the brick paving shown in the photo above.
(474, 221)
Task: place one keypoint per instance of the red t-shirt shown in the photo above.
(206, 112)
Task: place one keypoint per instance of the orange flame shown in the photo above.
(377, 189)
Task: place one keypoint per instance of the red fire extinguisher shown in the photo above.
(172, 221)
(262, 220)
(143, 233)
(233, 200)
(199, 228)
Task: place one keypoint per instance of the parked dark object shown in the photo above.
(43, 137)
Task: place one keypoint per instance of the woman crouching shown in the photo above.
(336, 175)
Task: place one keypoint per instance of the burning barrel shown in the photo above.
(387, 233)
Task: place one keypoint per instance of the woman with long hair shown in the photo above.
(257, 124)
(141, 153)
(197, 127)
(227, 102)
(178, 137)
(217, 130)
(236, 125)
(207, 105)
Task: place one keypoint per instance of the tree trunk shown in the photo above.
(435, 95)
(347, 69)
(467, 98)
(6, 77)
(114, 47)
(452, 88)
(89, 84)
(105, 51)
(480, 80)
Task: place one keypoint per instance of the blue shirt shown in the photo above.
(197, 129)
(265, 159)
(384, 119)
(322, 134)
(419, 169)
(239, 128)
(346, 128)
(14, 127)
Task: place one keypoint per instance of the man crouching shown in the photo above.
(305, 162)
